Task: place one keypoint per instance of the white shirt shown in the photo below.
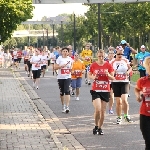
(120, 67)
(36, 59)
(15, 54)
(52, 57)
(64, 73)
(7, 55)
(44, 60)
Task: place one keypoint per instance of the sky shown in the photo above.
(52, 10)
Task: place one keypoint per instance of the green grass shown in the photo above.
(135, 77)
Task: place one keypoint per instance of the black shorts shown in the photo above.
(19, 60)
(110, 85)
(15, 60)
(64, 86)
(25, 61)
(36, 73)
(104, 96)
(120, 88)
(43, 67)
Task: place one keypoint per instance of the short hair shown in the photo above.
(101, 51)
(65, 48)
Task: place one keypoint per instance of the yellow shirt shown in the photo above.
(77, 68)
(87, 56)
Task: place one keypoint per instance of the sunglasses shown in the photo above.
(119, 54)
(111, 53)
(76, 55)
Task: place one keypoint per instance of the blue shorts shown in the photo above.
(76, 83)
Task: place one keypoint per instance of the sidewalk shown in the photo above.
(22, 127)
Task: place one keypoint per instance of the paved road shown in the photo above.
(79, 122)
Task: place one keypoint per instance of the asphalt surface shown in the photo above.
(80, 122)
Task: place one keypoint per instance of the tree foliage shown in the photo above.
(12, 13)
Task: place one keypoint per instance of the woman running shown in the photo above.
(101, 72)
(143, 86)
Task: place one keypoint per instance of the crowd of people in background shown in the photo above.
(109, 75)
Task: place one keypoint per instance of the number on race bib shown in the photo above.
(120, 77)
(65, 71)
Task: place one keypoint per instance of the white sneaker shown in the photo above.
(37, 87)
(33, 85)
(67, 109)
(63, 108)
(77, 98)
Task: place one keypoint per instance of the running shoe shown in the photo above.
(72, 93)
(67, 109)
(100, 132)
(63, 108)
(95, 130)
(128, 119)
(77, 98)
(119, 120)
(111, 112)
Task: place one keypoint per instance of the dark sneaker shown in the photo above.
(72, 94)
(100, 132)
(53, 73)
(128, 119)
(119, 120)
(95, 130)
(89, 83)
(128, 95)
(67, 109)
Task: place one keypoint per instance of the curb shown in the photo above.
(62, 137)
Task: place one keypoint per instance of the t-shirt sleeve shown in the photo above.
(110, 68)
(91, 68)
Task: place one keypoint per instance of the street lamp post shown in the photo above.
(53, 33)
(99, 28)
(47, 38)
(74, 28)
(62, 42)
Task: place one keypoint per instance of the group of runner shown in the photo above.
(109, 75)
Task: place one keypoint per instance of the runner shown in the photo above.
(101, 72)
(15, 57)
(64, 65)
(19, 57)
(76, 78)
(36, 68)
(87, 56)
(26, 57)
(139, 57)
(110, 57)
(120, 85)
(143, 86)
(44, 62)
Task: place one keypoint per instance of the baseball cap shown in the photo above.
(123, 42)
(142, 46)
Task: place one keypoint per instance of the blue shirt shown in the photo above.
(127, 52)
(140, 57)
(56, 54)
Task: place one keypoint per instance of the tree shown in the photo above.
(12, 13)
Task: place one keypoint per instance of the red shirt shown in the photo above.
(19, 54)
(101, 83)
(144, 85)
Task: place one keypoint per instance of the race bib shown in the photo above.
(101, 86)
(65, 71)
(77, 73)
(120, 76)
(37, 65)
(146, 93)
